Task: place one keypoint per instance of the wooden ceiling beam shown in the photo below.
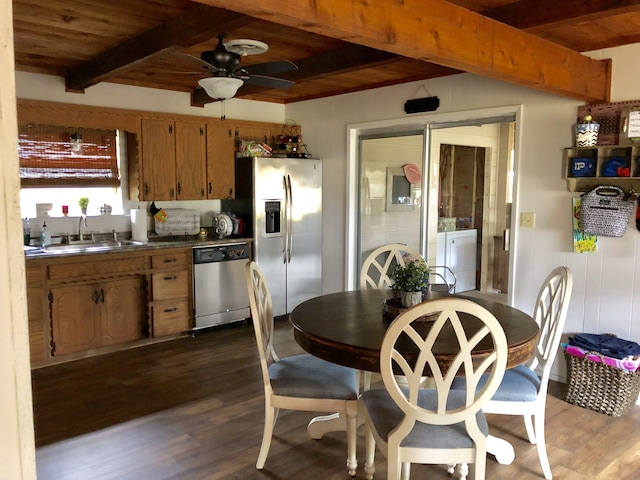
(196, 26)
(534, 15)
(440, 32)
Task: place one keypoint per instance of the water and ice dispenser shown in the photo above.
(272, 216)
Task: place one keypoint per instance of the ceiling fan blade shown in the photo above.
(196, 61)
(269, 82)
(269, 68)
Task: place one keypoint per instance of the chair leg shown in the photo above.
(370, 452)
(270, 417)
(542, 448)
(352, 427)
(406, 471)
(531, 432)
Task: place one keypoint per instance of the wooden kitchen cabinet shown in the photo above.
(36, 308)
(171, 304)
(172, 160)
(221, 176)
(93, 315)
(191, 161)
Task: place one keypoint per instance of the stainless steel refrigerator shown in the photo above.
(280, 203)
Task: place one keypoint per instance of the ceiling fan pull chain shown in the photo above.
(223, 116)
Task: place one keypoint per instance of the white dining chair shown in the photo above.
(380, 262)
(299, 382)
(436, 426)
(376, 270)
(523, 391)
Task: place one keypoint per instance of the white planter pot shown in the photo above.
(409, 299)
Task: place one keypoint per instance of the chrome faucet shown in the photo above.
(80, 235)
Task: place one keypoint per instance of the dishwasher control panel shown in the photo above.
(220, 253)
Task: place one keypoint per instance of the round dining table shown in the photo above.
(347, 328)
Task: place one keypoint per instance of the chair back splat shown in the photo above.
(380, 263)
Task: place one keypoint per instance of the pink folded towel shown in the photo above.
(630, 364)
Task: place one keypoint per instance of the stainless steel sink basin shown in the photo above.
(84, 247)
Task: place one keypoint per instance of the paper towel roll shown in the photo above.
(139, 224)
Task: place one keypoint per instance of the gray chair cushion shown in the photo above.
(386, 415)
(519, 384)
(306, 376)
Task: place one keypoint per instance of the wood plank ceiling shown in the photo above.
(339, 46)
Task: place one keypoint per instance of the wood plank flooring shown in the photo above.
(192, 409)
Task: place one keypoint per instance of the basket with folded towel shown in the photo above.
(603, 373)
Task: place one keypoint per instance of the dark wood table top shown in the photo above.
(347, 328)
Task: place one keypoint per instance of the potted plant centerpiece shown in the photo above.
(409, 280)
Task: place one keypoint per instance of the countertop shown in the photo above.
(154, 243)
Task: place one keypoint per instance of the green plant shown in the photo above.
(83, 202)
(411, 277)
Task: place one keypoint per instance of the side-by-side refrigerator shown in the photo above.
(280, 203)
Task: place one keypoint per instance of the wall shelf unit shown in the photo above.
(605, 160)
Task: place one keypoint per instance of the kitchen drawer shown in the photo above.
(89, 267)
(172, 259)
(171, 318)
(167, 285)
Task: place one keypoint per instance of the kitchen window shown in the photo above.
(57, 168)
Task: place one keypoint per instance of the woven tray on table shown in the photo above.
(600, 387)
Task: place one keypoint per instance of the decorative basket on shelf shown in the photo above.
(600, 387)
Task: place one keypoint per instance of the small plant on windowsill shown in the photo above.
(84, 203)
(409, 280)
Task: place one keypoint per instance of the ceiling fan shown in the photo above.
(227, 74)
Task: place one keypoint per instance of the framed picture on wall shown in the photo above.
(401, 195)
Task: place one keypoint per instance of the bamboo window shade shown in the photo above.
(47, 158)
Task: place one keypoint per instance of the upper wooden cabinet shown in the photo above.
(220, 161)
(172, 163)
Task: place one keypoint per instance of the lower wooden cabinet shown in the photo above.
(83, 305)
(171, 305)
(94, 315)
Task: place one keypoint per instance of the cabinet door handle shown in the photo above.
(179, 189)
(169, 310)
(101, 295)
(170, 260)
(202, 192)
(210, 188)
(172, 193)
(171, 277)
(96, 297)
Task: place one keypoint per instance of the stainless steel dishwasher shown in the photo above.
(220, 291)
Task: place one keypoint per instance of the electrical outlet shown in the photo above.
(528, 220)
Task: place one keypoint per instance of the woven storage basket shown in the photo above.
(600, 387)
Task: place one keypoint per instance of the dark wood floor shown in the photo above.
(192, 409)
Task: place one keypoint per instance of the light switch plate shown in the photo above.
(528, 220)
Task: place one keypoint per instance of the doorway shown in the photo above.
(478, 193)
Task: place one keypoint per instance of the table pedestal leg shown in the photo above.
(334, 422)
(501, 449)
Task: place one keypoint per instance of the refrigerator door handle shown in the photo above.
(290, 219)
(284, 220)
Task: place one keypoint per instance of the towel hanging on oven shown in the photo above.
(606, 211)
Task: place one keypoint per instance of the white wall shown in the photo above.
(603, 297)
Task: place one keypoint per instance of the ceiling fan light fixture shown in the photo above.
(220, 88)
(244, 47)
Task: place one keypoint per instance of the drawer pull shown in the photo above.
(169, 310)
(170, 260)
(172, 277)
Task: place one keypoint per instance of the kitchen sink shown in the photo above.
(88, 246)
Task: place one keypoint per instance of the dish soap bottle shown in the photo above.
(45, 236)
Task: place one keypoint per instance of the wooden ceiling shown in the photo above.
(339, 46)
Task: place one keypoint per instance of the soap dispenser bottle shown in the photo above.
(45, 236)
